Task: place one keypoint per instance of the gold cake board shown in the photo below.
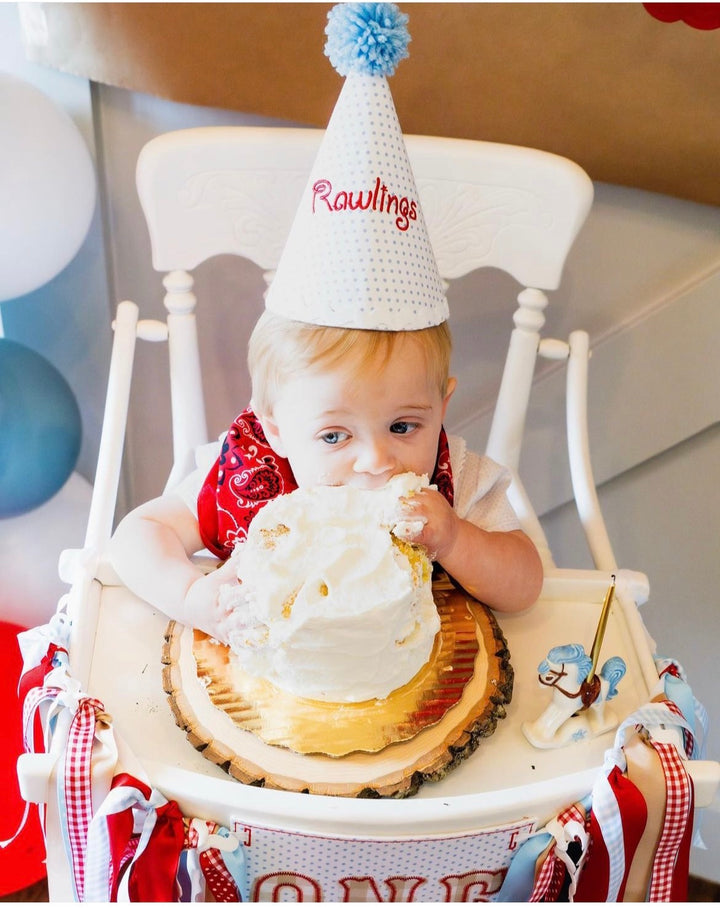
(380, 748)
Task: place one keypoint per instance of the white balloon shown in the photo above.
(30, 547)
(47, 188)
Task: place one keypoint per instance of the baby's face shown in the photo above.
(341, 427)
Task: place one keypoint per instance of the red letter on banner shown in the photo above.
(473, 886)
(365, 888)
(273, 885)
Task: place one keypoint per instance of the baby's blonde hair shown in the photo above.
(280, 348)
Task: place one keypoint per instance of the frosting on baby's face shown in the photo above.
(338, 427)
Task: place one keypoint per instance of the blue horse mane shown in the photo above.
(612, 671)
(571, 654)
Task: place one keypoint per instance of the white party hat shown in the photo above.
(358, 254)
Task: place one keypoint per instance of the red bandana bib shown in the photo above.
(248, 474)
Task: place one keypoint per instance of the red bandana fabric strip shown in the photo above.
(106, 851)
(153, 873)
(36, 676)
(217, 876)
(123, 841)
(442, 477)
(249, 473)
(137, 843)
(243, 479)
(632, 814)
(549, 879)
(33, 680)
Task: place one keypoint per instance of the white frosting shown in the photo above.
(328, 606)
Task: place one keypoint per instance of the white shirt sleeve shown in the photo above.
(480, 489)
(188, 489)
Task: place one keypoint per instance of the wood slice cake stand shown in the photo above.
(380, 748)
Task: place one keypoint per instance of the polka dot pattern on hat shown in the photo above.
(358, 254)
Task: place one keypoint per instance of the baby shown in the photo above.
(334, 406)
(350, 371)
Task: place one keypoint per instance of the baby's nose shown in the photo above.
(374, 458)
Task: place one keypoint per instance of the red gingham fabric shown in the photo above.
(688, 737)
(558, 877)
(573, 812)
(31, 741)
(218, 877)
(551, 876)
(678, 814)
(77, 784)
(544, 880)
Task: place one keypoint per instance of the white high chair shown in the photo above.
(235, 190)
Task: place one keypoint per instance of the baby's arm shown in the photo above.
(501, 569)
(150, 551)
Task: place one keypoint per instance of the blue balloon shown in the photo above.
(40, 429)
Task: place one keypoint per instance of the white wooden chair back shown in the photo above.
(219, 190)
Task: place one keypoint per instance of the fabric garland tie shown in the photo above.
(76, 801)
(568, 827)
(219, 879)
(673, 849)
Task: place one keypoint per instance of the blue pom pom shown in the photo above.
(366, 37)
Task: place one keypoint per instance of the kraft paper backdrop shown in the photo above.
(633, 100)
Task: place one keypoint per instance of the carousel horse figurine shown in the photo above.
(578, 708)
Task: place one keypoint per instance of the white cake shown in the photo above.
(331, 603)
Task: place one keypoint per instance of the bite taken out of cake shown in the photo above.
(331, 602)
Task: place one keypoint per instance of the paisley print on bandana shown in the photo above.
(248, 474)
(442, 477)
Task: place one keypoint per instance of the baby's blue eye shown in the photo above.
(402, 428)
(334, 437)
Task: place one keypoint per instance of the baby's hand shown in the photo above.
(205, 608)
(427, 518)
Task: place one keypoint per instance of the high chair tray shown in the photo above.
(377, 748)
(505, 778)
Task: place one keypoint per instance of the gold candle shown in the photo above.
(600, 632)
